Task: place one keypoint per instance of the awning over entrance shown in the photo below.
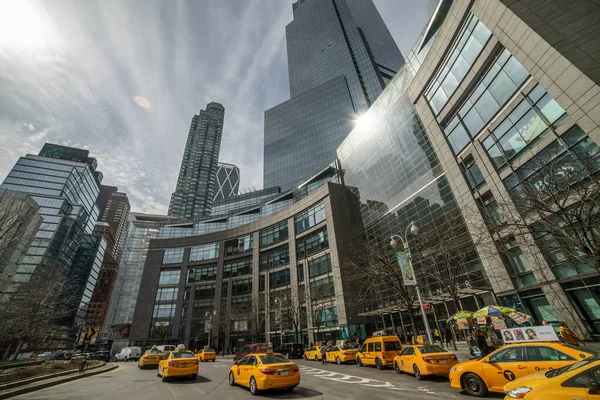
(431, 299)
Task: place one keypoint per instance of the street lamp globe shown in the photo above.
(393, 243)
(413, 228)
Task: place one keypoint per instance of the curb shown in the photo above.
(44, 385)
(27, 381)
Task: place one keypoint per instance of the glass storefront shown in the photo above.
(584, 295)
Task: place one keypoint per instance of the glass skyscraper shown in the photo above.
(228, 181)
(64, 182)
(195, 188)
(340, 57)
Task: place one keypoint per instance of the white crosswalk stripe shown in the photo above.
(345, 378)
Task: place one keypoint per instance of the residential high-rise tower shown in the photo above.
(340, 57)
(195, 188)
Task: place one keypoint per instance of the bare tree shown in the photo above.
(442, 252)
(19, 219)
(385, 283)
(258, 318)
(38, 307)
(321, 299)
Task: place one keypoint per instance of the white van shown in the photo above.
(165, 347)
(128, 353)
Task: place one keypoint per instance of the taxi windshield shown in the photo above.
(182, 354)
(209, 351)
(154, 352)
(346, 347)
(571, 367)
(392, 346)
(274, 359)
(431, 349)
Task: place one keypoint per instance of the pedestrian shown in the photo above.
(448, 337)
(544, 322)
(489, 340)
(482, 344)
(436, 336)
(472, 342)
(569, 336)
(323, 353)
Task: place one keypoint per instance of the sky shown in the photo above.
(123, 78)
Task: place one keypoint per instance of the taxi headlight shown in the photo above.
(452, 369)
(519, 392)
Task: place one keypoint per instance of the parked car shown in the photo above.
(250, 348)
(165, 347)
(44, 356)
(291, 350)
(128, 353)
(379, 351)
(102, 355)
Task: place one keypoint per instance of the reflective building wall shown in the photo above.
(340, 57)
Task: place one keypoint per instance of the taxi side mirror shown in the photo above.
(486, 361)
(593, 387)
(236, 362)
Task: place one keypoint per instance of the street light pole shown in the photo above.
(278, 302)
(209, 315)
(413, 229)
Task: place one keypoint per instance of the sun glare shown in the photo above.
(365, 122)
(23, 25)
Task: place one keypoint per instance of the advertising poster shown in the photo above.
(498, 322)
(529, 334)
(406, 268)
(462, 323)
(517, 317)
(481, 320)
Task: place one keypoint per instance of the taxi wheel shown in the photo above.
(475, 385)
(417, 372)
(304, 356)
(359, 362)
(397, 368)
(290, 389)
(378, 363)
(253, 388)
(231, 379)
(338, 361)
(213, 360)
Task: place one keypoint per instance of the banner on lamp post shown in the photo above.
(406, 268)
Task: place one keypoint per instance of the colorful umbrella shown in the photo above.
(461, 314)
(492, 310)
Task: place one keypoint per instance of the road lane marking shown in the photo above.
(345, 378)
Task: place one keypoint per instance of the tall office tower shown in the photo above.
(114, 209)
(228, 181)
(340, 57)
(195, 188)
(64, 182)
(112, 225)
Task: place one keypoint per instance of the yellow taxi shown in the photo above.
(206, 355)
(150, 357)
(423, 360)
(510, 362)
(313, 353)
(580, 380)
(178, 363)
(341, 354)
(262, 371)
(379, 351)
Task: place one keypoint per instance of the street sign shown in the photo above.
(426, 306)
(92, 332)
(162, 323)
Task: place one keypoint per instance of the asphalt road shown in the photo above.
(329, 382)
